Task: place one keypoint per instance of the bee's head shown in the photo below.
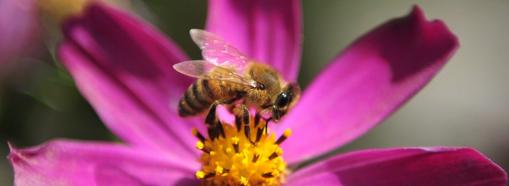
(285, 100)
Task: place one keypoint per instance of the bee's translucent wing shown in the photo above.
(206, 70)
(194, 68)
(216, 51)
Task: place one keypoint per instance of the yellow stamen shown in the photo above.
(237, 160)
(285, 135)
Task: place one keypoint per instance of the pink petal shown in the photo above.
(366, 83)
(267, 30)
(64, 162)
(123, 67)
(403, 166)
(18, 27)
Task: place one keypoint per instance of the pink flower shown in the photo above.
(21, 20)
(122, 66)
(18, 28)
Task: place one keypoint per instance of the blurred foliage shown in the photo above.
(38, 98)
(39, 101)
(44, 104)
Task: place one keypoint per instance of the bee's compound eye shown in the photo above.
(282, 99)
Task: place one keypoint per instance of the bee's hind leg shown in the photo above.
(215, 128)
(234, 102)
(212, 118)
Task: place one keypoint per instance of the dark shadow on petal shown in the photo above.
(187, 181)
(426, 42)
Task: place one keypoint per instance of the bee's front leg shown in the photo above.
(241, 113)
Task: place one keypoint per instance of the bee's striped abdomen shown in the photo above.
(198, 97)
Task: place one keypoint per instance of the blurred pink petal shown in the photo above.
(63, 162)
(123, 67)
(366, 83)
(267, 30)
(18, 28)
(403, 166)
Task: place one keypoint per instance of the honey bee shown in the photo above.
(226, 76)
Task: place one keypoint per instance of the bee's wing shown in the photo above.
(206, 70)
(217, 51)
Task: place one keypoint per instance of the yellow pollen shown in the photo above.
(288, 132)
(243, 180)
(200, 174)
(236, 159)
(195, 132)
(200, 145)
(219, 169)
(235, 140)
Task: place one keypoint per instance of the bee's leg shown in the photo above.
(211, 118)
(259, 120)
(242, 120)
(215, 128)
(238, 95)
(245, 121)
(265, 112)
(213, 123)
(267, 124)
(230, 102)
(268, 119)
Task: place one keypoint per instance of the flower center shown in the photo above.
(241, 154)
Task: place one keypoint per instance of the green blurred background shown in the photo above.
(467, 104)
